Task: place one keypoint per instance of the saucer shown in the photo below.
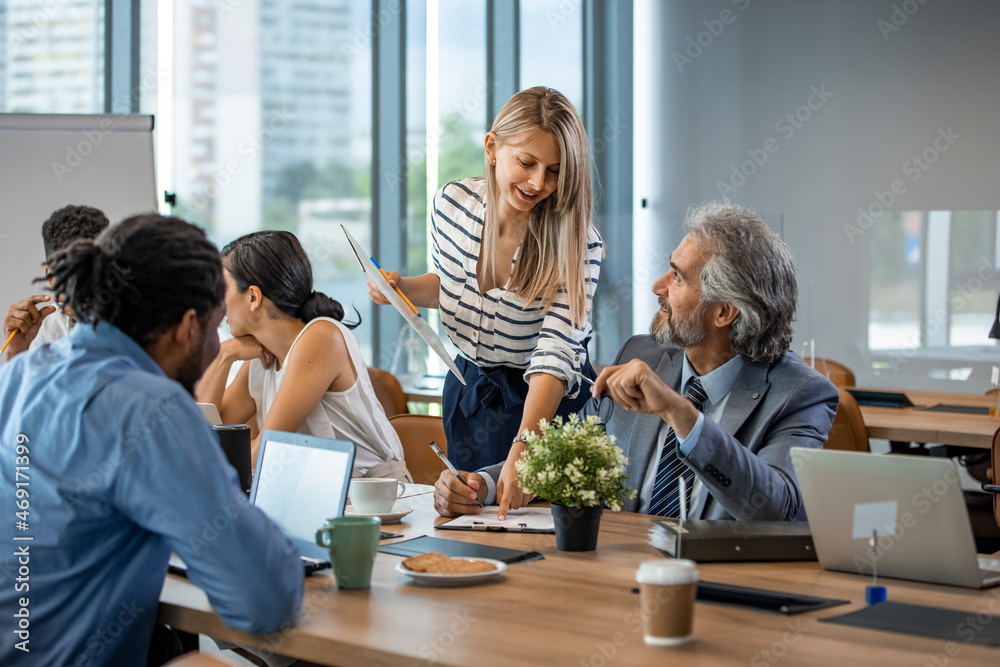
(398, 513)
(454, 579)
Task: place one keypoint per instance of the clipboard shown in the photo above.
(524, 520)
(402, 304)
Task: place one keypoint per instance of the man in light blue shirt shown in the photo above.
(108, 465)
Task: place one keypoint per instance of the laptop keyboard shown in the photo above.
(989, 570)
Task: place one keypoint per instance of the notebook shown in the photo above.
(301, 481)
(915, 504)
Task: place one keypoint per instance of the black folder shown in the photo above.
(730, 541)
(456, 549)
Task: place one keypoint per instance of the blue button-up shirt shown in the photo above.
(106, 466)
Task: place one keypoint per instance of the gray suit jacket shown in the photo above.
(744, 461)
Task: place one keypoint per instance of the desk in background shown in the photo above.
(942, 428)
(422, 388)
(576, 609)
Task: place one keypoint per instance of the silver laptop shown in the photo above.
(301, 481)
(914, 504)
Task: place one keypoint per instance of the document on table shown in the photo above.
(524, 520)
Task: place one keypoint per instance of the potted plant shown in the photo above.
(577, 467)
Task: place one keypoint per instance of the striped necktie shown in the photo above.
(666, 500)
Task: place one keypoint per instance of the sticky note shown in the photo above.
(880, 517)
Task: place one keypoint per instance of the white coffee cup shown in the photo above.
(375, 495)
(667, 588)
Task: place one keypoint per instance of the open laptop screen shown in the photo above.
(300, 482)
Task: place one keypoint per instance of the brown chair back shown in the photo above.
(837, 373)
(848, 432)
(994, 474)
(388, 392)
(415, 431)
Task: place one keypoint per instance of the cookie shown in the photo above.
(425, 562)
(438, 563)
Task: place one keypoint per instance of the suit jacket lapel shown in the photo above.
(647, 427)
(747, 393)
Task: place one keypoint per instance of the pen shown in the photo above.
(9, 338)
(444, 459)
(398, 291)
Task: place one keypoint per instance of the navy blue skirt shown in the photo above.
(481, 418)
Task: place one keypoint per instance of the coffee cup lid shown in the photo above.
(667, 571)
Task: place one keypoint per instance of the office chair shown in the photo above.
(388, 392)
(415, 432)
(835, 372)
(848, 431)
(993, 473)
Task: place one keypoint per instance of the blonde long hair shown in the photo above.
(554, 250)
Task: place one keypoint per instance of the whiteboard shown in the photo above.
(48, 161)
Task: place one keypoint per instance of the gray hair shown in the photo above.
(750, 267)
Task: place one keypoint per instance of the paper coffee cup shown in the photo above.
(667, 591)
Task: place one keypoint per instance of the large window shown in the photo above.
(935, 276)
(264, 114)
(52, 56)
(552, 47)
(271, 108)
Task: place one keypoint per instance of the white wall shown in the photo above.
(892, 90)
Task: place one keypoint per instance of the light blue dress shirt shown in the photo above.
(717, 385)
(119, 469)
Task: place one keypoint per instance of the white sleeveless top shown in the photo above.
(354, 415)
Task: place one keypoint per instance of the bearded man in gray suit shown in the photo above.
(712, 394)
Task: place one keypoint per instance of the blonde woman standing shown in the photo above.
(515, 266)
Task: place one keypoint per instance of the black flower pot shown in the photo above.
(577, 527)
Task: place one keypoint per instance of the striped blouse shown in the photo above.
(497, 328)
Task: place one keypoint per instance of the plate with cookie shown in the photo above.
(437, 569)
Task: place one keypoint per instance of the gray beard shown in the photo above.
(677, 333)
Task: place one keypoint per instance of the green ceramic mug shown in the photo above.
(352, 541)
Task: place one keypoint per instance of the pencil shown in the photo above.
(398, 291)
(9, 338)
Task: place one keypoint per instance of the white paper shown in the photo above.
(880, 517)
(526, 518)
(414, 319)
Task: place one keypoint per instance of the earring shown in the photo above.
(493, 161)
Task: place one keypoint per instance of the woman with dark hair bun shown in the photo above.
(305, 372)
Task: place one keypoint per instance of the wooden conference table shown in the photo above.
(943, 428)
(577, 609)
